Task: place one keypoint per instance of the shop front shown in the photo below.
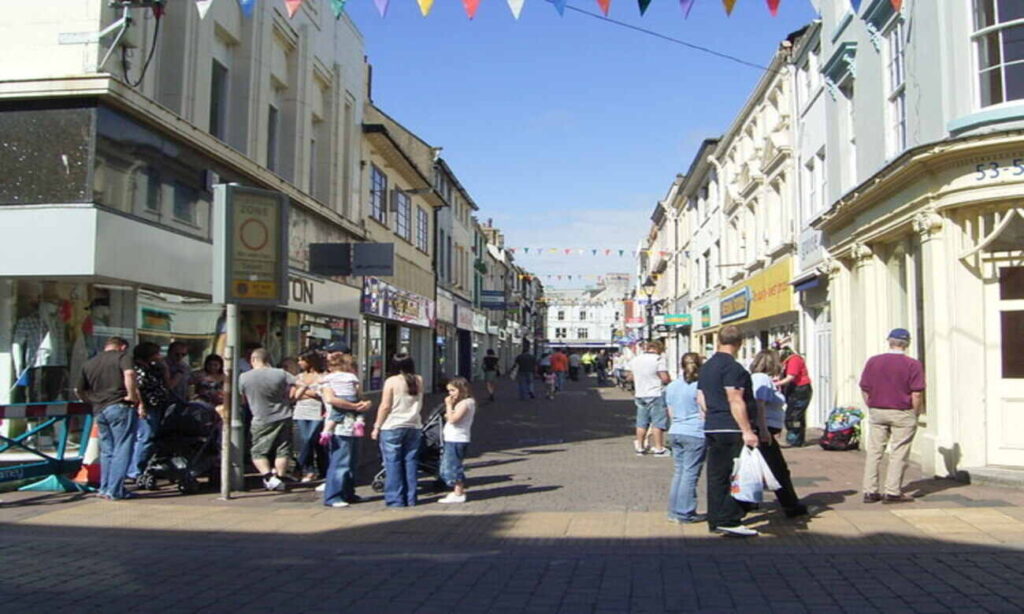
(481, 341)
(394, 321)
(764, 307)
(446, 352)
(705, 324)
(467, 354)
(811, 284)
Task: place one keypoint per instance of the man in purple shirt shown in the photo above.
(893, 387)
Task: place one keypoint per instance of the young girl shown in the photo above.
(460, 407)
(344, 382)
(550, 382)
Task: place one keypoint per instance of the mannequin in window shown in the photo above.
(40, 350)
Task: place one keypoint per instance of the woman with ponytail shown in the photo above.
(397, 428)
(686, 440)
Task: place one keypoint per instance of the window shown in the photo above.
(422, 229)
(450, 259)
(561, 333)
(561, 315)
(273, 129)
(583, 315)
(185, 203)
(219, 101)
(378, 194)
(583, 333)
(811, 179)
(846, 90)
(896, 45)
(999, 40)
(822, 203)
(402, 213)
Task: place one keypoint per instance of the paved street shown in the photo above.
(562, 517)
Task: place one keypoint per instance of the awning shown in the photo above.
(806, 281)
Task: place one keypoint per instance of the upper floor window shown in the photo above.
(402, 214)
(897, 94)
(583, 333)
(219, 101)
(999, 38)
(422, 229)
(561, 315)
(583, 315)
(561, 333)
(378, 194)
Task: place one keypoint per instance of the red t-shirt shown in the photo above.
(796, 367)
(559, 362)
(888, 379)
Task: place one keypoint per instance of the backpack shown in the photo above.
(845, 439)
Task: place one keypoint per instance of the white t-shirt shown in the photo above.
(343, 384)
(458, 432)
(764, 390)
(645, 369)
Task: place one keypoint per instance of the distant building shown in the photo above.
(587, 318)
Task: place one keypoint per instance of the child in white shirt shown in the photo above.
(344, 383)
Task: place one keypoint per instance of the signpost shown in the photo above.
(250, 268)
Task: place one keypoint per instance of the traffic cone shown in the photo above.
(90, 471)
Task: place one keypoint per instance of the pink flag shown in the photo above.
(292, 6)
(686, 5)
(471, 6)
(605, 5)
(773, 7)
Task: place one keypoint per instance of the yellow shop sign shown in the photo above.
(766, 294)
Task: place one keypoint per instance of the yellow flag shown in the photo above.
(425, 6)
(729, 4)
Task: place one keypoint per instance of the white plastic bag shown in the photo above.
(750, 477)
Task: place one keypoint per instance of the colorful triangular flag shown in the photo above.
(292, 6)
(605, 6)
(621, 252)
(729, 5)
(686, 6)
(560, 6)
(425, 6)
(897, 5)
(568, 251)
(773, 7)
(247, 6)
(471, 6)
(382, 7)
(203, 6)
(526, 250)
(855, 5)
(644, 4)
(516, 6)
(338, 6)
(594, 252)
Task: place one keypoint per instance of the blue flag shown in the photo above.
(247, 6)
(560, 6)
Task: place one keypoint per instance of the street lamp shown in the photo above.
(648, 289)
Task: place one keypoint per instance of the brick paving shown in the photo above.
(562, 517)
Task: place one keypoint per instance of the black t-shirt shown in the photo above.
(490, 363)
(721, 371)
(102, 379)
(527, 363)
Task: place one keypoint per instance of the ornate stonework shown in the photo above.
(928, 223)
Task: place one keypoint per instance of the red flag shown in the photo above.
(897, 5)
(605, 5)
(773, 7)
(471, 7)
(292, 6)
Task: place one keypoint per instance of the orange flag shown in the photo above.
(729, 4)
(471, 7)
(605, 5)
(897, 5)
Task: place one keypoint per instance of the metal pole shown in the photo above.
(226, 449)
(237, 425)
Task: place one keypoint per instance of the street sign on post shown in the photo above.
(250, 256)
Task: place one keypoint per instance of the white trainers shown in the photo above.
(452, 498)
(273, 483)
(340, 504)
(661, 452)
(737, 531)
(639, 449)
(322, 487)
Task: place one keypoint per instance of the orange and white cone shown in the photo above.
(90, 471)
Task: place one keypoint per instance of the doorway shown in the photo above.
(1005, 327)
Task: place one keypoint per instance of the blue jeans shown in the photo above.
(400, 449)
(341, 481)
(311, 455)
(145, 431)
(559, 380)
(117, 437)
(525, 381)
(688, 453)
(452, 470)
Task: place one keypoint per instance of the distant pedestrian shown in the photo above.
(550, 382)
(575, 364)
(893, 388)
(587, 360)
(343, 430)
(268, 393)
(155, 399)
(108, 382)
(309, 416)
(686, 440)
(770, 413)
(397, 428)
(491, 373)
(649, 373)
(459, 411)
(526, 370)
(601, 365)
(795, 384)
(560, 365)
(730, 416)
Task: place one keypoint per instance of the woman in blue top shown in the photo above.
(771, 415)
(686, 439)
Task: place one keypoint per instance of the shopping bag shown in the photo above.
(747, 478)
(767, 477)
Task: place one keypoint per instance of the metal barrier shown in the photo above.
(53, 468)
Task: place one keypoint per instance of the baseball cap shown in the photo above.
(338, 346)
(900, 333)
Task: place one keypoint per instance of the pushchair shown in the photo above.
(186, 447)
(431, 449)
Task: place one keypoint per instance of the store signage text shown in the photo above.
(302, 291)
(994, 169)
(736, 306)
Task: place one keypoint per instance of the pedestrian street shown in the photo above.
(562, 516)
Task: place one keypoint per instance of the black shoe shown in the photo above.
(795, 512)
(897, 499)
(872, 497)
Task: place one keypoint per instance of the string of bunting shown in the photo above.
(515, 6)
(581, 251)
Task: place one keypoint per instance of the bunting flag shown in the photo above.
(247, 6)
(594, 251)
(605, 5)
(338, 6)
(203, 6)
(729, 5)
(560, 6)
(292, 6)
(897, 5)
(516, 6)
(471, 6)
(644, 4)
(526, 250)
(382, 7)
(425, 6)
(621, 252)
(686, 5)
(773, 7)
(855, 5)
(568, 251)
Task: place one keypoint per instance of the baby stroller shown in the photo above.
(186, 447)
(431, 448)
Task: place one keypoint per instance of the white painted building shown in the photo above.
(587, 318)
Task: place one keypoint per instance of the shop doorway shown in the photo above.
(466, 354)
(822, 380)
(1005, 326)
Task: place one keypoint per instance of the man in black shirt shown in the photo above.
(526, 366)
(731, 412)
(107, 381)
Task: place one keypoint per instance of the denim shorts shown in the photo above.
(452, 470)
(650, 411)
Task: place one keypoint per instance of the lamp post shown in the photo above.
(648, 288)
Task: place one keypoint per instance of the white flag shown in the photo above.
(516, 6)
(203, 6)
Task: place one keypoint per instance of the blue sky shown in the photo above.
(568, 130)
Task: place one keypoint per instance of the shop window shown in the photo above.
(1012, 333)
(57, 327)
